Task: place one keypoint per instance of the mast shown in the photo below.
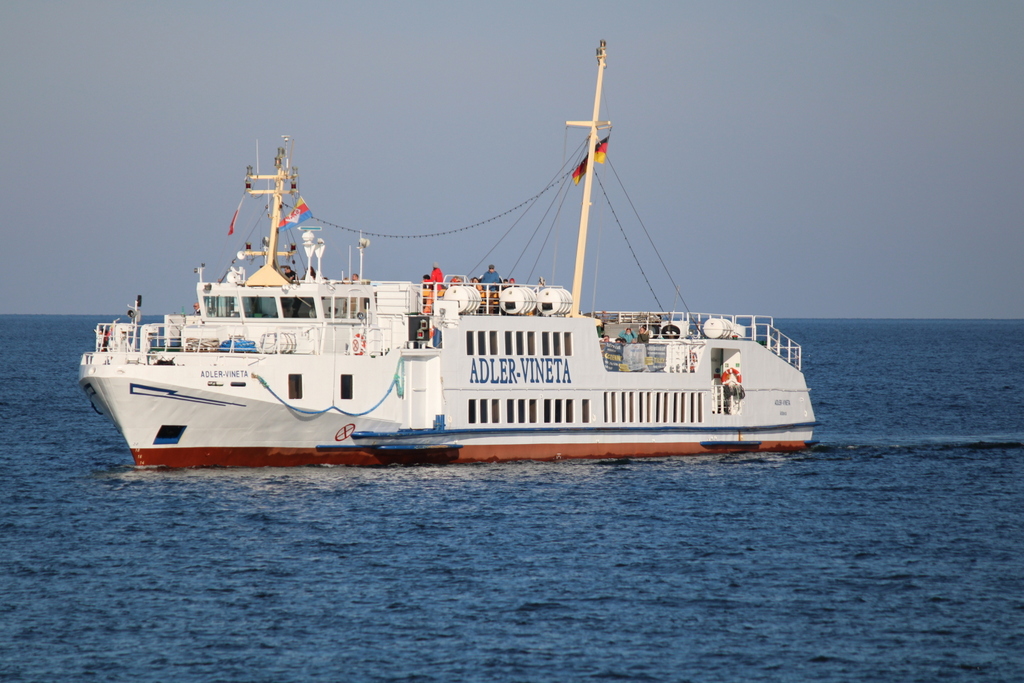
(270, 274)
(594, 125)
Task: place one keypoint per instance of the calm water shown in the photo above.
(892, 552)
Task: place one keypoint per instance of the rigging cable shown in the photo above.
(649, 239)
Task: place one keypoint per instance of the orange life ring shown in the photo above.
(732, 376)
(358, 345)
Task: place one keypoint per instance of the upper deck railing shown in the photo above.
(676, 324)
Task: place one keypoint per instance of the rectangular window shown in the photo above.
(298, 307)
(522, 410)
(570, 416)
(472, 410)
(357, 305)
(346, 387)
(533, 411)
(531, 343)
(338, 307)
(221, 306)
(586, 410)
(545, 343)
(483, 410)
(556, 343)
(510, 411)
(469, 343)
(294, 386)
(481, 343)
(547, 410)
(259, 306)
(568, 344)
(508, 343)
(495, 410)
(519, 343)
(558, 410)
(494, 342)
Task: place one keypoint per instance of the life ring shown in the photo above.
(358, 345)
(670, 332)
(732, 376)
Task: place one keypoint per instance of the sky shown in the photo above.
(795, 159)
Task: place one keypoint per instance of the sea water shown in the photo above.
(892, 551)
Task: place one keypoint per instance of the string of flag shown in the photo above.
(553, 183)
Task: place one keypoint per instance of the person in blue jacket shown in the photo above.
(491, 276)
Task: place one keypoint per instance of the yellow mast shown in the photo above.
(594, 125)
(270, 274)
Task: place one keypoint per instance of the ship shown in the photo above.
(276, 369)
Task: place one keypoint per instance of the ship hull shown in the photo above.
(441, 455)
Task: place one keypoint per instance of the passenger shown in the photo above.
(491, 276)
(644, 336)
(436, 275)
(628, 336)
(491, 280)
(428, 295)
(288, 273)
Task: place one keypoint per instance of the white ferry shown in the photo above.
(274, 371)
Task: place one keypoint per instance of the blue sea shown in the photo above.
(892, 551)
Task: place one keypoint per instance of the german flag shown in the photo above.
(600, 152)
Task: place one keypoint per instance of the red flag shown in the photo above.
(231, 228)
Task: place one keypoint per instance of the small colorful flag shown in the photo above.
(231, 228)
(300, 213)
(600, 152)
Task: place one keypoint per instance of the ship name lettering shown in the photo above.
(224, 374)
(529, 371)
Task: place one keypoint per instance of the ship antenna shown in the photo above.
(594, 125)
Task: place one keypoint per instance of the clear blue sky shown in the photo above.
(796, 159)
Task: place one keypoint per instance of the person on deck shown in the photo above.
(644, 336)
(491, 280)
(428, 295)
(629, 336)
(436, 275)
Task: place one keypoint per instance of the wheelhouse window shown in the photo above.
(298, 307)
(342, 307)
(221, 306)
(259, 306)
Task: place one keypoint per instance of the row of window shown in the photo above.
(659, 407)
(485, 343)
(528, 411)
(338, 307)
(295, 386)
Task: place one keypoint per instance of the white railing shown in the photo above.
(676, 324)
(233, 339)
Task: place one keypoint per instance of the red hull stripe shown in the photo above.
(368, 456)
